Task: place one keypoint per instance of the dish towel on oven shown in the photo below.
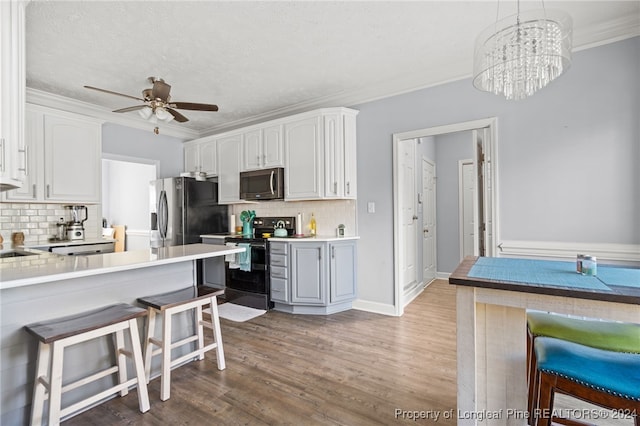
(232, 258)
(244, 258)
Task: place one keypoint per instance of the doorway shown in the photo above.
(483, 144)
(125, 196)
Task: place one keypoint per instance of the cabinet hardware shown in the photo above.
(335, 187)
(25, 169)
(34, 190)
(348, 187)
(333, 252)
(48, 190)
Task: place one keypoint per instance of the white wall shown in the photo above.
(568, 158)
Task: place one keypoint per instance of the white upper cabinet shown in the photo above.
(63, 158)
(304, 161)
(201, 156)
(340, 155)
(12, 94)
(263, 148)
(229, 152)
(317, 150)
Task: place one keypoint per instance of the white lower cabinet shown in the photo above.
(313, 277)
(63, 158)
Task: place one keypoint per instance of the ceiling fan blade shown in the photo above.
(193, 106)
(113, 93)
(160, 90)
(133, 108)
(179, 117)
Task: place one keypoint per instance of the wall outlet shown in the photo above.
(371, 207)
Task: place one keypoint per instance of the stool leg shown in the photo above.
(217, 333)
(55, 382)
(165, 379)
(121, 360)
(37, 404)
(148, 346)
(545, 399)
(200, 331)
(143, 394)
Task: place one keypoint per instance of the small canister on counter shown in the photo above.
(579, 259)
(589, 266)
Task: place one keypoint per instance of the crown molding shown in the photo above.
(606, 33)
(39, 97)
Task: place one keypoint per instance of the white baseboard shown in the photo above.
(375, 307)
(442, 275)
(563, 250)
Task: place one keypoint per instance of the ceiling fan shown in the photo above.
(157, 102)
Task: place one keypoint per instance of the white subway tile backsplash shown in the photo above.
(328, 213)
(38, 221)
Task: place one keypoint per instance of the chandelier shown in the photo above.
(522, 53)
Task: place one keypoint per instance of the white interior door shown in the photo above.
(408, 215)
(428, 221)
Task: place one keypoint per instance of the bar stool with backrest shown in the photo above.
(607, 335)
(166, 305)
(605, 378)
(57, 334)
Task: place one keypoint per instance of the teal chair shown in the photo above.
(605, 378)
(605, 335)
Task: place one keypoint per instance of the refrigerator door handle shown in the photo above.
(163, 213)
(273, 173)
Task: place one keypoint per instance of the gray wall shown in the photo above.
(450, 148)
(121, 140)
(568, 158)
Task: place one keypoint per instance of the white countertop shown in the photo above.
(292, 239)
(48, 267)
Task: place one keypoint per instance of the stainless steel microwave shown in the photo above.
(266, 184)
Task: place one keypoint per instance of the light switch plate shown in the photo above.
(371, 207)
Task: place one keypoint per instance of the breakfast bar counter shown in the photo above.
(492, 297)
(44, 286)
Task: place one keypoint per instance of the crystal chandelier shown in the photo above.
(522, 53)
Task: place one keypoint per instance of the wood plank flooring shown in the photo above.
(350, 368)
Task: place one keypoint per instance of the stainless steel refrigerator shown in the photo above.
(183, 209)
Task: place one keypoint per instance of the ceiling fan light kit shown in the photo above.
(157, 104)
(523, 53)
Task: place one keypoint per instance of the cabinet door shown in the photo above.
(350, 160)
(72, 152)
(208, 157)
(303, 159)
(229, 150)
(334, 156)
(213, 273)
(192, 157)
(32, 188)
(252, 156)
(308, 276)
(272, 147)
(342, 271)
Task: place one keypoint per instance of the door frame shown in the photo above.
(432, 162)
(492, 124)
(461, 164)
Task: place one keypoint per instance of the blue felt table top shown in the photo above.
(552, 273)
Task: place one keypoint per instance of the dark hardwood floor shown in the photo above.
(350, 368)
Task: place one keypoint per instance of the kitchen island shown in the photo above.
(492, 297)
(45, 285)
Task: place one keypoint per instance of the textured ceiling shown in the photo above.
(258, 59)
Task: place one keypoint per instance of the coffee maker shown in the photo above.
(75, 227)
